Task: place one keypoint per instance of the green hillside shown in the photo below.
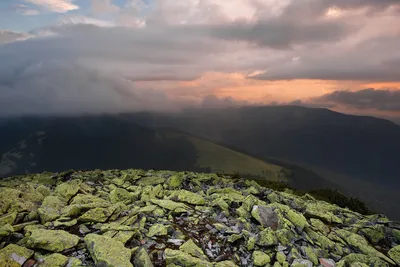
(224, 160)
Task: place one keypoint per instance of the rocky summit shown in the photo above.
(162, 218)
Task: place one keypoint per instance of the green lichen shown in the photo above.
(158, 230)
(53, 260)
(189, 197)
(267, 238)
(106, 251)
(14, 255)
(142, 259)
(51, 240)
(120, 195)
(192, 249)
(260, 258)
(394, 254)
(181, 258)
(68, 189)
(50, 209)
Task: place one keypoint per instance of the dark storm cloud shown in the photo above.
(282, 34)
(384, 100)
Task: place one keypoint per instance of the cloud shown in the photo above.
(10, 36)
(58, 6)
(212, 101)
(160, 49)
(25, 10)
(104, 7)
(383, 100)
(281, 34)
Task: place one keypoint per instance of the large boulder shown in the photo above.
(51, 240)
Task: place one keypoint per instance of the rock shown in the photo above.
(124, 236)
(107, 252)
(361, 258)
(360, 243)
(319, 226)
(51, 240)
(260, 258)
(170, 205)
(183, 259)
(74, 262)
(50, 209)
(191, 248)
(53, 260)
(374, 234)
(296, 218)
(158, 230)
(175, 181)
(265, 216)
(267, 238)
(44, 190)
(142, 259)
(327, 262)
(8, 218)
(323, 211)
(13, 255)
(98, 215)
(151, 181)
(68, 189)
(310, 254)
(280, 257)
(394, 254)
(6, 230)
(189, 197)
(120, 195)
(225, 264)
(301, 263)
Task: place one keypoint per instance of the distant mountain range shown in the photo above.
(310, 148)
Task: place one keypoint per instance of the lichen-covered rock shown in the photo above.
(8, 218)
(191, 248)
(394, 254)
(360, 243)
(13, 255)
(120, 195)
(50, 209)
(68, 189)
(53, 260)
(260, 258)
(183, 259)
(163, 218)
(170, 205)
(158, 230)
(51, 240)
(107, 252)
(361, 258)
(98, 215)
(142, 259)
(189, 197)
(267, 238)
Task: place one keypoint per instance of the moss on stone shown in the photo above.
(53, 260)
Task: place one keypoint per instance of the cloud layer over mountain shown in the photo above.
(147, 55)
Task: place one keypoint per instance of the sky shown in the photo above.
(95, 56)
